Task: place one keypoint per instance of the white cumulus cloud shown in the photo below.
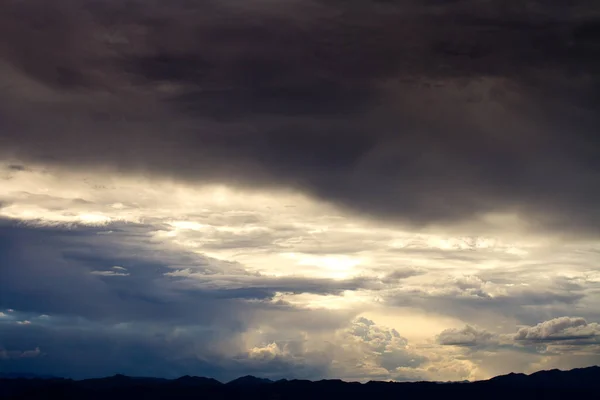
(563, 328)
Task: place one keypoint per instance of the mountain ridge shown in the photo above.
(551, 383)
(253, 380)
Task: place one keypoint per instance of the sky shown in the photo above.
(361, 189)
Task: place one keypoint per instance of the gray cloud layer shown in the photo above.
(430, 112)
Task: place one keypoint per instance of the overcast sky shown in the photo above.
(357, 189)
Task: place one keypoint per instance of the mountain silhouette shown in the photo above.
(580, 377)
(553, 384)
(249, 380)
(192, 381)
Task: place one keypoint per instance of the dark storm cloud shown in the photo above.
(428, 112)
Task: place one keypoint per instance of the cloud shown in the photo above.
(467, 336)
(483, 300)
(108, 273)
(15, 354)
(402, 273)
(559, 329)
(389, 349)
(31, 353)
(564, 341)
(172, 351)
(269, 285)
(114, 271)
(54, 277)
(278, 283)
(557, 337)
(314, 96)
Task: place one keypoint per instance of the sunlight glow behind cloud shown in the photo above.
(312, 273)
